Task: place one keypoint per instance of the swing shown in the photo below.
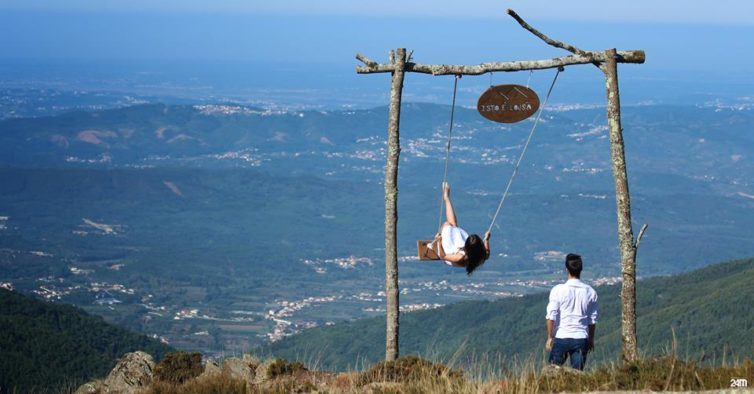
(429, 249)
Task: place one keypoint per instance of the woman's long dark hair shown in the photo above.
(476, 253)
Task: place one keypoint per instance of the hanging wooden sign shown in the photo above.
(508, 103)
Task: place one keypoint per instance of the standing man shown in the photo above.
(571, 317)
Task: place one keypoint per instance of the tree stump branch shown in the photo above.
(640, 236)
(370, 63)
(546, 39)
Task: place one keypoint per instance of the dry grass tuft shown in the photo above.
(656, 374)
(221, 384)
(408, 369)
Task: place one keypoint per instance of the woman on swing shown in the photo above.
(457, 247)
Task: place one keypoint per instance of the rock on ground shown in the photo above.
(211, 369)
(241, 368)
(131, 374)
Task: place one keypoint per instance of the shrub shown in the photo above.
(281, 366)
(179, 367)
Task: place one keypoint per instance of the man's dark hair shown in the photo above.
(574, 265)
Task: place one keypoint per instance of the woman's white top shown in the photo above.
(453, 240)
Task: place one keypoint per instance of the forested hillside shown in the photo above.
(48, 346)
(709, 310)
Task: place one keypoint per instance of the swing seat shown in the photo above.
(426, 250)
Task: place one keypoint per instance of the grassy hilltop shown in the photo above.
(415, 375)
(474, 347)
(709, 311)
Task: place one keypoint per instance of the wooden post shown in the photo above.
(623, 204)
(398, 58)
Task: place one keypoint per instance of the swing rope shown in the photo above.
(523, 151)
(447, 146)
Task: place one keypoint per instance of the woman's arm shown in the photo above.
(457, 259)
(487, 243)
(449, 212)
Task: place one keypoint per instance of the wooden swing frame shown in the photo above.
(399, 63)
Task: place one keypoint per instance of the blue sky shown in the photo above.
(666, 11)
(674, 32)
(274, 43)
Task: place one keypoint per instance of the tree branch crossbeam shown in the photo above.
(371, 67)
(579, 56)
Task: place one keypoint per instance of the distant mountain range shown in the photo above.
(707, 312)
(711, 144)
(55, 348)
(223, 226)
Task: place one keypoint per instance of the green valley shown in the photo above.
(224, 227)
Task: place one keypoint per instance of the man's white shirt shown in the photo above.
(573, 307)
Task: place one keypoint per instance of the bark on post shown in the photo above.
(391, 205)
(623, 203)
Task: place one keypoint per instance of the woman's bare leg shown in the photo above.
(450, 214)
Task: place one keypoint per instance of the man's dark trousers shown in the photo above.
(574, 349)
